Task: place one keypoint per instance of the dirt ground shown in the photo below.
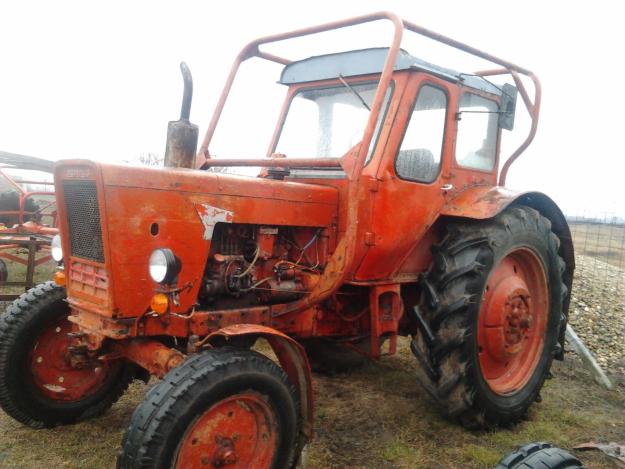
(373, 417)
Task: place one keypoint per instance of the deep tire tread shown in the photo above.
(146, 444)
(452, 289)
(31, 307)
(539, 456)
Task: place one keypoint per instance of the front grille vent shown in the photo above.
(83, 214)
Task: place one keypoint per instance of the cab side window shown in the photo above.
(476, 142)
(419, 156)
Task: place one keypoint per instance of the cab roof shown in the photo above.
(369, 61)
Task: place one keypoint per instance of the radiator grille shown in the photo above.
(83, 213)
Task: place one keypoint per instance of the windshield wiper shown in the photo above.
(364, 103)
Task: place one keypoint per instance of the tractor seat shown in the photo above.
(416, 164)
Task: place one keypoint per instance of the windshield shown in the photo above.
(327, 122)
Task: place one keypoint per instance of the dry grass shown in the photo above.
(373, 417)
(17, 273)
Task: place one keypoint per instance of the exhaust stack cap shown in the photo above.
(182, 135)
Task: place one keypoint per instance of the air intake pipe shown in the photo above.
(182, 135)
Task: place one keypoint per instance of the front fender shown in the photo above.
(484, 202)
(293, 360)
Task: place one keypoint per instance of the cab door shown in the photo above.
(412, 174)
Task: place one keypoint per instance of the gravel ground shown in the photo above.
(597, 311)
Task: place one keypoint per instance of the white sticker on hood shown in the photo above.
(210, 216)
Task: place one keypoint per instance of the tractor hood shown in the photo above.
(112, 217)
(245, 199)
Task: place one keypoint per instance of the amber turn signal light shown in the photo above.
(159, 303)
(60, 279)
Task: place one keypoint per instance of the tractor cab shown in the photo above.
(437, 132)
(329, 101)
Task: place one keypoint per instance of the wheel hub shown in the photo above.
(238, 432)
(54, 372)
(512, 321)
(518, 319)
(225, 453)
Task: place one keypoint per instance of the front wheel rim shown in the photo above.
(513, 321)
(240, 431)
(51, 369)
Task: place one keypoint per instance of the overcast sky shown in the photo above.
(101, 80)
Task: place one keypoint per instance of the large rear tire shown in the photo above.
(223, 407)
(38, 385)
(490, 315)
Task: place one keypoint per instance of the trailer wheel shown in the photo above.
(491, 309)
(539, 456)
(223, 407)
(4, 271)
(38, 386)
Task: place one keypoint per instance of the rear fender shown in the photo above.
(481, 203)
(292, 358)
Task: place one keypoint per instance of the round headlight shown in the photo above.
(163, 265)
(56, 250)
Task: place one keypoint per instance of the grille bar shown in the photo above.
(83, 213)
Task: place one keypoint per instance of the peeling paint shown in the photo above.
(210, 216)
(54, 388)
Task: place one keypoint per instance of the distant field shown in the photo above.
(605, 242)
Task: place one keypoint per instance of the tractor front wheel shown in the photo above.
(39, 385)
(224, 407)
(491, 313)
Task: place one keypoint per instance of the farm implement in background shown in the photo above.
(27, 220)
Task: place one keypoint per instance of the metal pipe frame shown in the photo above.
(252, 50)
(23, 195)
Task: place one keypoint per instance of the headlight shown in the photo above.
(56, 249)
(164, 265)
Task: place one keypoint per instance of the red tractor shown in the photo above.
(176, 272)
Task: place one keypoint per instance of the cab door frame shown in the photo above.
(404, 210)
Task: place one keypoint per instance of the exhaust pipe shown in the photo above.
(182, 135)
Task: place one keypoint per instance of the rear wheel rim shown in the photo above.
(240, 431)
(53, 373)
(512, 321)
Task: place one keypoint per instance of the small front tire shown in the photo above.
(38, 385)
(223, 407)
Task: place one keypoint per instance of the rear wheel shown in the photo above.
(39, 385)
(221, 408)
(491, 313)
